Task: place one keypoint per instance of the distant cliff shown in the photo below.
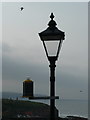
(19, 108)
(14, 109)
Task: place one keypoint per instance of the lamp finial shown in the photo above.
(52, 16)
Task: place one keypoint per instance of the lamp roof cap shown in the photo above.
(52, 24)
(52, 32)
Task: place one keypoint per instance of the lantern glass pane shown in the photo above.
(52, 47)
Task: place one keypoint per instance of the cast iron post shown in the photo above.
(52, 87)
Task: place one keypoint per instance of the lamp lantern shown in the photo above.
(52, 39)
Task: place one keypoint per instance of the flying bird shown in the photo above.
(21, 8)
(81, 91)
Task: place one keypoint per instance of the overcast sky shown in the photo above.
(23, 53)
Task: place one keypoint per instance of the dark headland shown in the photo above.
(27, 110)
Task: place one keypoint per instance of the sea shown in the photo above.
(71, 107)
(66, 107)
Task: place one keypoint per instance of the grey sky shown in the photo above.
(23, 53)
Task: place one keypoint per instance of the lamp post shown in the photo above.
(52, 39)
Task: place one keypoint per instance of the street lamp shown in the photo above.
(52, 39)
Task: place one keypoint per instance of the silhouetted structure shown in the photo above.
(52, 35)
(28, 88)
